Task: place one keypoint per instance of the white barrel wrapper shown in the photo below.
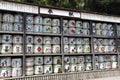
(57, 69)
(16, 72)
(38, 70)
(7, 26)
(48, 69)
(57, 60)
(55, 22)
(38, 61)
(47, 60)
(47, 21)
(5, 72)
(16, 62)
(5, 62)
(18, 27)
(18, 18)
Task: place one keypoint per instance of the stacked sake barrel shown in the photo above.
(103, 29)
(104, 45)
(77, 63)
(10, 67)
(106, 62)
(43, 45)
(75, 27)
(39, 24)
(76, 45)
(43, 65)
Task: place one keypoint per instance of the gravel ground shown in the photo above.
(109, 78)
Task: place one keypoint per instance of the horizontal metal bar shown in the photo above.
(10, 32)
(4, 55)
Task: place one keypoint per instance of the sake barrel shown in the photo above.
(7, 26)
(73, 60)
(111, 33)
(79, 40)
(48, 69)
(17, 39)
(86, 41)
(99, 33)
(81, 59)
(47, 40)
(29, 28)
(110, 27)
(38, 20)
(29, 61)
(113, 49)
(101, 49)
(56, 30)
(65, 30)
(104, 26)
(108, 65)
(16, 62)
(65, 40)
(96, 48)
(8, 17)
(97, 67)
(38, 49)
(5, 62)
(106, 42)
(65, 23)
(47, 60)
(47, 21)
(72, 48)
(72, 31)
(98, 26)
(5, 72)
(88, 59)
(73, 67)
(38, 61)
(79, 48)
(80, 67)
(86, 48)
(18, 27)
(38, 40)
(47, 49)
(6, 38)
(85, 25)
(105, 33)
(67, 59)
(29, 39)
(79, 24)
(16, 72)
(66, 48)
(71, 23)
(100, 42)
(56, 49)
(111, 42)
(85, 31)
(67, 68)
(17, 49)
(38, 28)
(57, 60)
(113, 58)
(96, 59)
(79, 31)
(29, 71)
(114, 65)
(88, 66)
(107, 58)
(56, 40)
(72, 41)
(6, 49)
(101, 58)
(29, 48)
(18, 18)
(29, 19)
(55, 22)
(38, 70)
(57, 69)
